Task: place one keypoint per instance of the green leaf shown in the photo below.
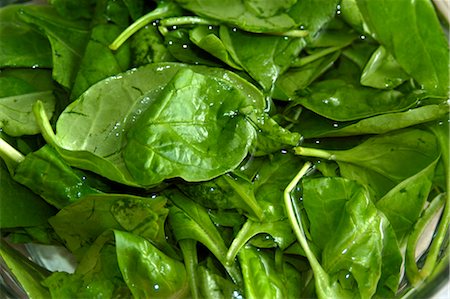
(147, 271)
(262, 279)
(67, 39)
(265, 16)
(47, 175)
(312, 125)
(404, 204)
(22, 45)
(342, 100)
(355, 235)
(417, 33)
(382, 71)
(206, 37)
(82, 222)
(20, 90)
(196, 141)
(264, 57)
(105, 114)
(99, 61)
(389, 155)
(19, 206)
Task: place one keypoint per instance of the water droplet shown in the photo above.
(156, 286)
(210, 27)
(174, 27)
(344, 251)
(283, 151)
(185, 46)
(317, 141)
(234, 29)
(170, 42)
(362, 37)
(335, 125)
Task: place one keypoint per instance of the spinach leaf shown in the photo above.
(191, 221)
(73, 9)
(206, 38)
(22, 45)
(404, 204)
(147, 46)
(354, 237)
(265, 16)
(20, 207)
(417, 33)
(342, 100)
(147, 271)
(312, 125)
(263, 57)
(105, 124)
(382, 71)
(299, 78)
(17, 97)
(388, 155)
(213, 137)
(67, 38)
(47, 175)
(213, 285)
(180, 46)
(99, 61)
(93, 214)
(262, 278)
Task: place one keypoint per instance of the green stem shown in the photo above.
(187, 20)
(310, 58)
(44, 123)
(164, 10)
(291, 33)
(189, 250)
(10, 155)
(313, 152)
(244, 234)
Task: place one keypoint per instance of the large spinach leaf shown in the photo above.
(195, 140)
(105, 113)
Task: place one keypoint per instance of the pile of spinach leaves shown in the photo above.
(225, 149)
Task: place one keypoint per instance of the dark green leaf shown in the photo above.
(21, 45)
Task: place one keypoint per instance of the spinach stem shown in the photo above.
(310, 58)
(9, 153)
(187, 20)
(244, 234)
(313, 152)
(164, 10)
(44, 123)
(291, 33)
(297, 225)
